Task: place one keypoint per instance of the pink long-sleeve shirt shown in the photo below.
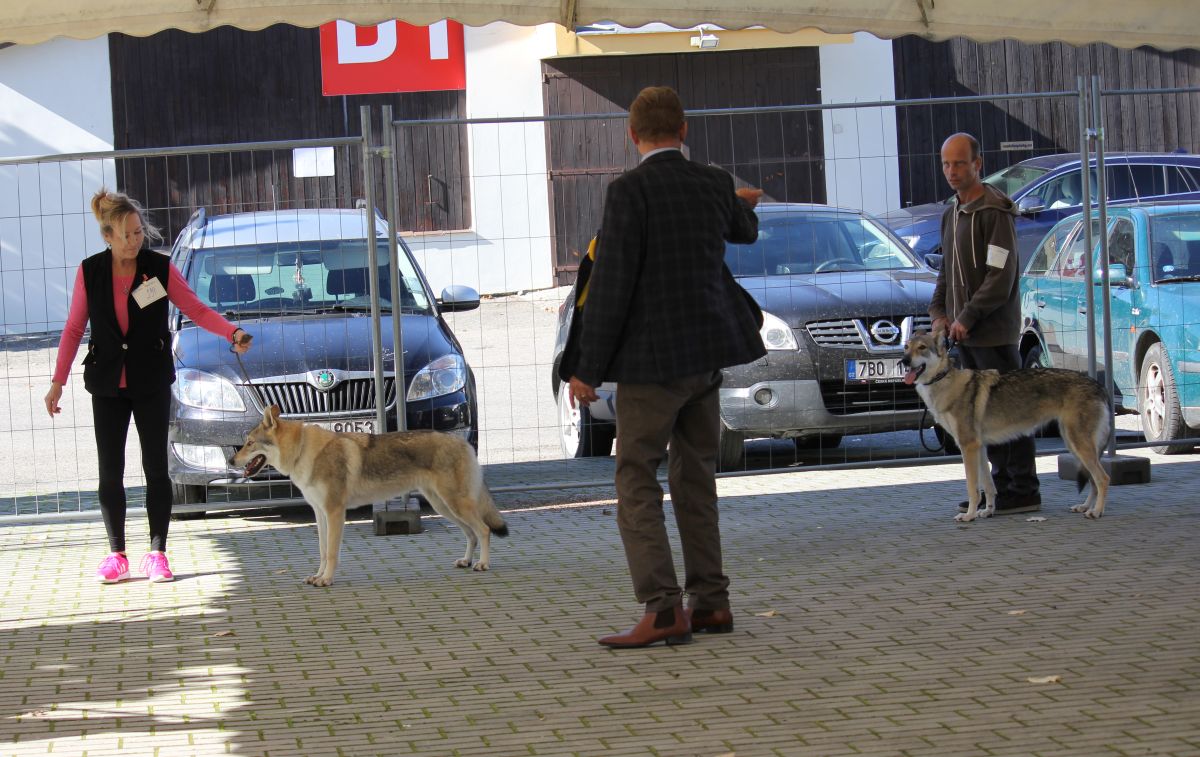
(178, 292)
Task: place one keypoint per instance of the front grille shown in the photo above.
(855, 333)
(849, 399)
(301, 398)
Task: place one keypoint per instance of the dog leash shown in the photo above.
(238, 355)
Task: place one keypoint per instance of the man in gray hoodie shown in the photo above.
(976, 300)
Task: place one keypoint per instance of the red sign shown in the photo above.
(391, 57)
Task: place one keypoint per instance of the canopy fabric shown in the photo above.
(1165, 24)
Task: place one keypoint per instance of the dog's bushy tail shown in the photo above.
(492, 518)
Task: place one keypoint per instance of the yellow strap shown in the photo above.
(583, 293)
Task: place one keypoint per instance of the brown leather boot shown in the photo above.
(710, 621)
(670, 626)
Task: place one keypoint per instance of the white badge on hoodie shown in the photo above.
(997, 256)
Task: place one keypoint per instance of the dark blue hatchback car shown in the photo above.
(1048, 188)
(298, 280)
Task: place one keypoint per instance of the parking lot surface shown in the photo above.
(867, 622)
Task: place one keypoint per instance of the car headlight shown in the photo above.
(777, 335)
(445, 375)
(911, 240)
(205, 391)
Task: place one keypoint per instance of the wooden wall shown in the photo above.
(783, 154)
(231, 86)
(962, 68)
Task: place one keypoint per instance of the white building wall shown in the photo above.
(508, 248)
(862, 169)
(54, 98)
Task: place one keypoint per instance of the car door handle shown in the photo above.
(1040, 303)
(1082, 310)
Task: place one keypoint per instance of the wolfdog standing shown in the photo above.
(979, 408)
(337, 470)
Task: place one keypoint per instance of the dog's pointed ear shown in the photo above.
(271, 416)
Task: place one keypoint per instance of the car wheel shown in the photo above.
(820, 441)
(189, 494)
(1036, 358)
(731, 451)
(578, 434)
(1158, 403)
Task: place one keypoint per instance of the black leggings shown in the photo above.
(152, 415)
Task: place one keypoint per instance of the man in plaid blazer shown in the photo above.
(663, 317)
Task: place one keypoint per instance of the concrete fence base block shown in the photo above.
(390, 522)
(1121, 469)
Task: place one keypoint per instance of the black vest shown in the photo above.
(145, 350)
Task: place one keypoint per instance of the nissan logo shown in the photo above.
(885, 332)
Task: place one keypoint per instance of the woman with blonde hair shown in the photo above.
(124, 292)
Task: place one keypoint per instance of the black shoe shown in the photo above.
(1010, 504)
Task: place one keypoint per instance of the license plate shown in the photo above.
(874, 369)
(359, 425)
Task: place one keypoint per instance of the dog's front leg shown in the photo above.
(972, 452)
(322, 527)
(335, 521)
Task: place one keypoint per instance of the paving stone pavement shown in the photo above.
(868, 623)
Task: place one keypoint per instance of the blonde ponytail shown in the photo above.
(112, 208)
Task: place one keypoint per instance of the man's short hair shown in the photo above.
(656, 114)
(974, 143)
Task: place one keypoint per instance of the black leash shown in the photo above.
(238, 355)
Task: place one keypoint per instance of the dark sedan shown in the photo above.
(299, 282)
(840, 294)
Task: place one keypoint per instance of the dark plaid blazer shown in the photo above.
(661, 302)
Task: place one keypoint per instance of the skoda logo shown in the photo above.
(885, 332)
(324, 380)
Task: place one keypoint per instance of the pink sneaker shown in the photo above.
(113, 569)
(156, 568)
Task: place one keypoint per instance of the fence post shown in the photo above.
(364, 114)
(389, 177)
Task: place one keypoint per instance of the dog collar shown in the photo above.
(938, 377)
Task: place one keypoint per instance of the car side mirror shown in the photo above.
(1117, 276)
(934, 260)
(457, 298)
(1030, 205)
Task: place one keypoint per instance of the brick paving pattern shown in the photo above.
(868, 623)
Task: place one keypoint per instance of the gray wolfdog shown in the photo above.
(337, 470)
(979, 408)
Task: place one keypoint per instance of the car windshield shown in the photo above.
(805, 242)
(1175, 246)
(299, 277)
(1010, 180)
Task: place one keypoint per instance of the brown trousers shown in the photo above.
(686, 413)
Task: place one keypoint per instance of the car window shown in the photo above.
(1015, 178)
(1047, 252)
(1175, 246)
(1063, 191)
(817, 242)
(1148, 180)
(1120, 245)
(298, 276)
(1177, 180)
(1072, 260)
(1192, 175)
(1119, 182)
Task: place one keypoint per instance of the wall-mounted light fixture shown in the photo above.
(705, 40)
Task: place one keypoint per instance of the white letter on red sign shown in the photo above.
(349, 51)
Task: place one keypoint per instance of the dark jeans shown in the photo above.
(686, 413)
(151, 414)
(1013, 467)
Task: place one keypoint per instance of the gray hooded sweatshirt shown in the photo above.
(977, 285)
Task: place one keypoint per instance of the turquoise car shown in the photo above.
(1154, 256)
